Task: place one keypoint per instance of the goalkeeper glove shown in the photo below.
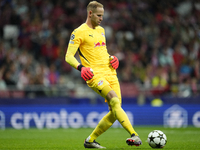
(86, 72)
(114, 62)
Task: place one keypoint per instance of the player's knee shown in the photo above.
(115, 103)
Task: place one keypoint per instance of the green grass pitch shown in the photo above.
(114, 139)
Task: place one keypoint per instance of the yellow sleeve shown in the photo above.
(74, 43)
(69, 57)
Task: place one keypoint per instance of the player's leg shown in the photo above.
(97, 84)
(122, 117)
(102, 87)
(116, 113)
(105, 123)
(119, 112)
(116, 94)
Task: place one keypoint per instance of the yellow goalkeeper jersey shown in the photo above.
(91, 45)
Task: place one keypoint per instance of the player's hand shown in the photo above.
(86, 73)
(114, 62)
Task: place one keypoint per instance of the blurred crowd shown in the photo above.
(156, 42)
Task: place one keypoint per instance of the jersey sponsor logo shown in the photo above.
(100, 83)
(103, 34)
(98, 44)
(72, 37)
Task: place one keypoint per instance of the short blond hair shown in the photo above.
(93, 5)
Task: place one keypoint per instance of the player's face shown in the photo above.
(97, 16)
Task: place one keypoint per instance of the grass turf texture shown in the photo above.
(113, 139)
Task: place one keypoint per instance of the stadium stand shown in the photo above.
(157, 43)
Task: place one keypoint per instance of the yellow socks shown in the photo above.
(107, 121)
(102, 126)
(121, 116)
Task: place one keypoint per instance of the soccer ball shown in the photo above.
(157, 139)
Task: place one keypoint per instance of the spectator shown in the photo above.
(178, 57)
(7, 77)
(3, 85)
(185, 89)
(53, 75)
(24, 78)
(165, 58)
(160, 82)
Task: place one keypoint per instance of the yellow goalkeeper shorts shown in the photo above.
(99, 81)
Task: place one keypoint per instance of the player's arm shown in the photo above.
(86, 72)
(69, 57)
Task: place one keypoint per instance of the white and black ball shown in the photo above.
(157, 139)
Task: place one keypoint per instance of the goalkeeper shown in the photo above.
(98, 69)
